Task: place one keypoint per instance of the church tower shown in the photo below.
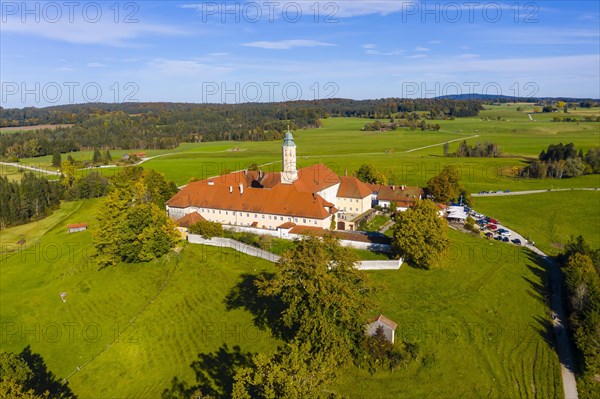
(289, 173)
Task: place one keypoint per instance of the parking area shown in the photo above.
(494, 230)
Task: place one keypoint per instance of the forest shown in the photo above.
(166, 125)
(561, 160)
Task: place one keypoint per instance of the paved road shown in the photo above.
(501, 194)
(439, 144)
(17, 165)
(565, 356)
(556, 306)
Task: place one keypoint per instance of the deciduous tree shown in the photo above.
(420, 235)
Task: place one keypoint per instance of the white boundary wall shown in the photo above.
(271, 257)
(287, 236)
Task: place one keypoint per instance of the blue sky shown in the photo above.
(73, 52)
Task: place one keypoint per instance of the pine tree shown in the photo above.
(97, 157)
(56, 158)
(107, 157)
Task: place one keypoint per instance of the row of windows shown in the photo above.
(270, 217)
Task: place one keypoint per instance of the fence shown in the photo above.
(271, 257)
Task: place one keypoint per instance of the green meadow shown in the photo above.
(549, 219)
(480, 319)
(127, 331)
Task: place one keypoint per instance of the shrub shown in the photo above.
(207, 229)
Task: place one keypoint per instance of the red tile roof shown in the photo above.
(77, 226)
(190, 219)
(263, 193)
(308, 230)
(384, 320)
(287, 225)
(316, 178)
(402, 197)
(351, 187)
(283, 199)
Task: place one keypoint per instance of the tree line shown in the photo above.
(479, 150)
(581, 269)
(166, 125)
(30, 199)
(560, 161)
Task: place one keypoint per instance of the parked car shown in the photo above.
(492, 226)
(501, 231)
(507, 191)
(505, 239)
(498, 238)
(505, 234)
(516, 241)
(494, 221)
(489, 235)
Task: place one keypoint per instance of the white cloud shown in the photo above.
(327, 9)
(286, 44)
(416, 56)
(422, 49)
(191, 68)
(96, 65)
(104, 32)
(218, 54)
(467, 56)
(369, 46)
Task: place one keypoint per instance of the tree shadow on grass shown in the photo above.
(215, 374)
(266, 310)
(541, 288)
(44, 380)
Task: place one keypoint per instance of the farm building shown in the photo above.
(388, 326)
(75, 228)
(185, 222)
(403, 196)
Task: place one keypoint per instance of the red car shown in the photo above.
(489, 235)
(494, 221)
(492, 226)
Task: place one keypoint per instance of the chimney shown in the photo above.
(211, 183)
(230, 189)
(346, 172)
(403, 187)
(241, 189)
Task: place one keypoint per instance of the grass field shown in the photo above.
(130, 329)
(550, 218)
(481, 324)
(342, 145)
(4, 130)
(480, 321)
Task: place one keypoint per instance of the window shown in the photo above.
(282, 218)
(227, 213)
(219, 211)
(247, 215)
(315, 222)
(263, 216)
(303, 220)
(356, 209)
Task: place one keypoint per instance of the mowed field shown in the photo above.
(549, 219)
(411, 157)
(4, 130)
(480, 320)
